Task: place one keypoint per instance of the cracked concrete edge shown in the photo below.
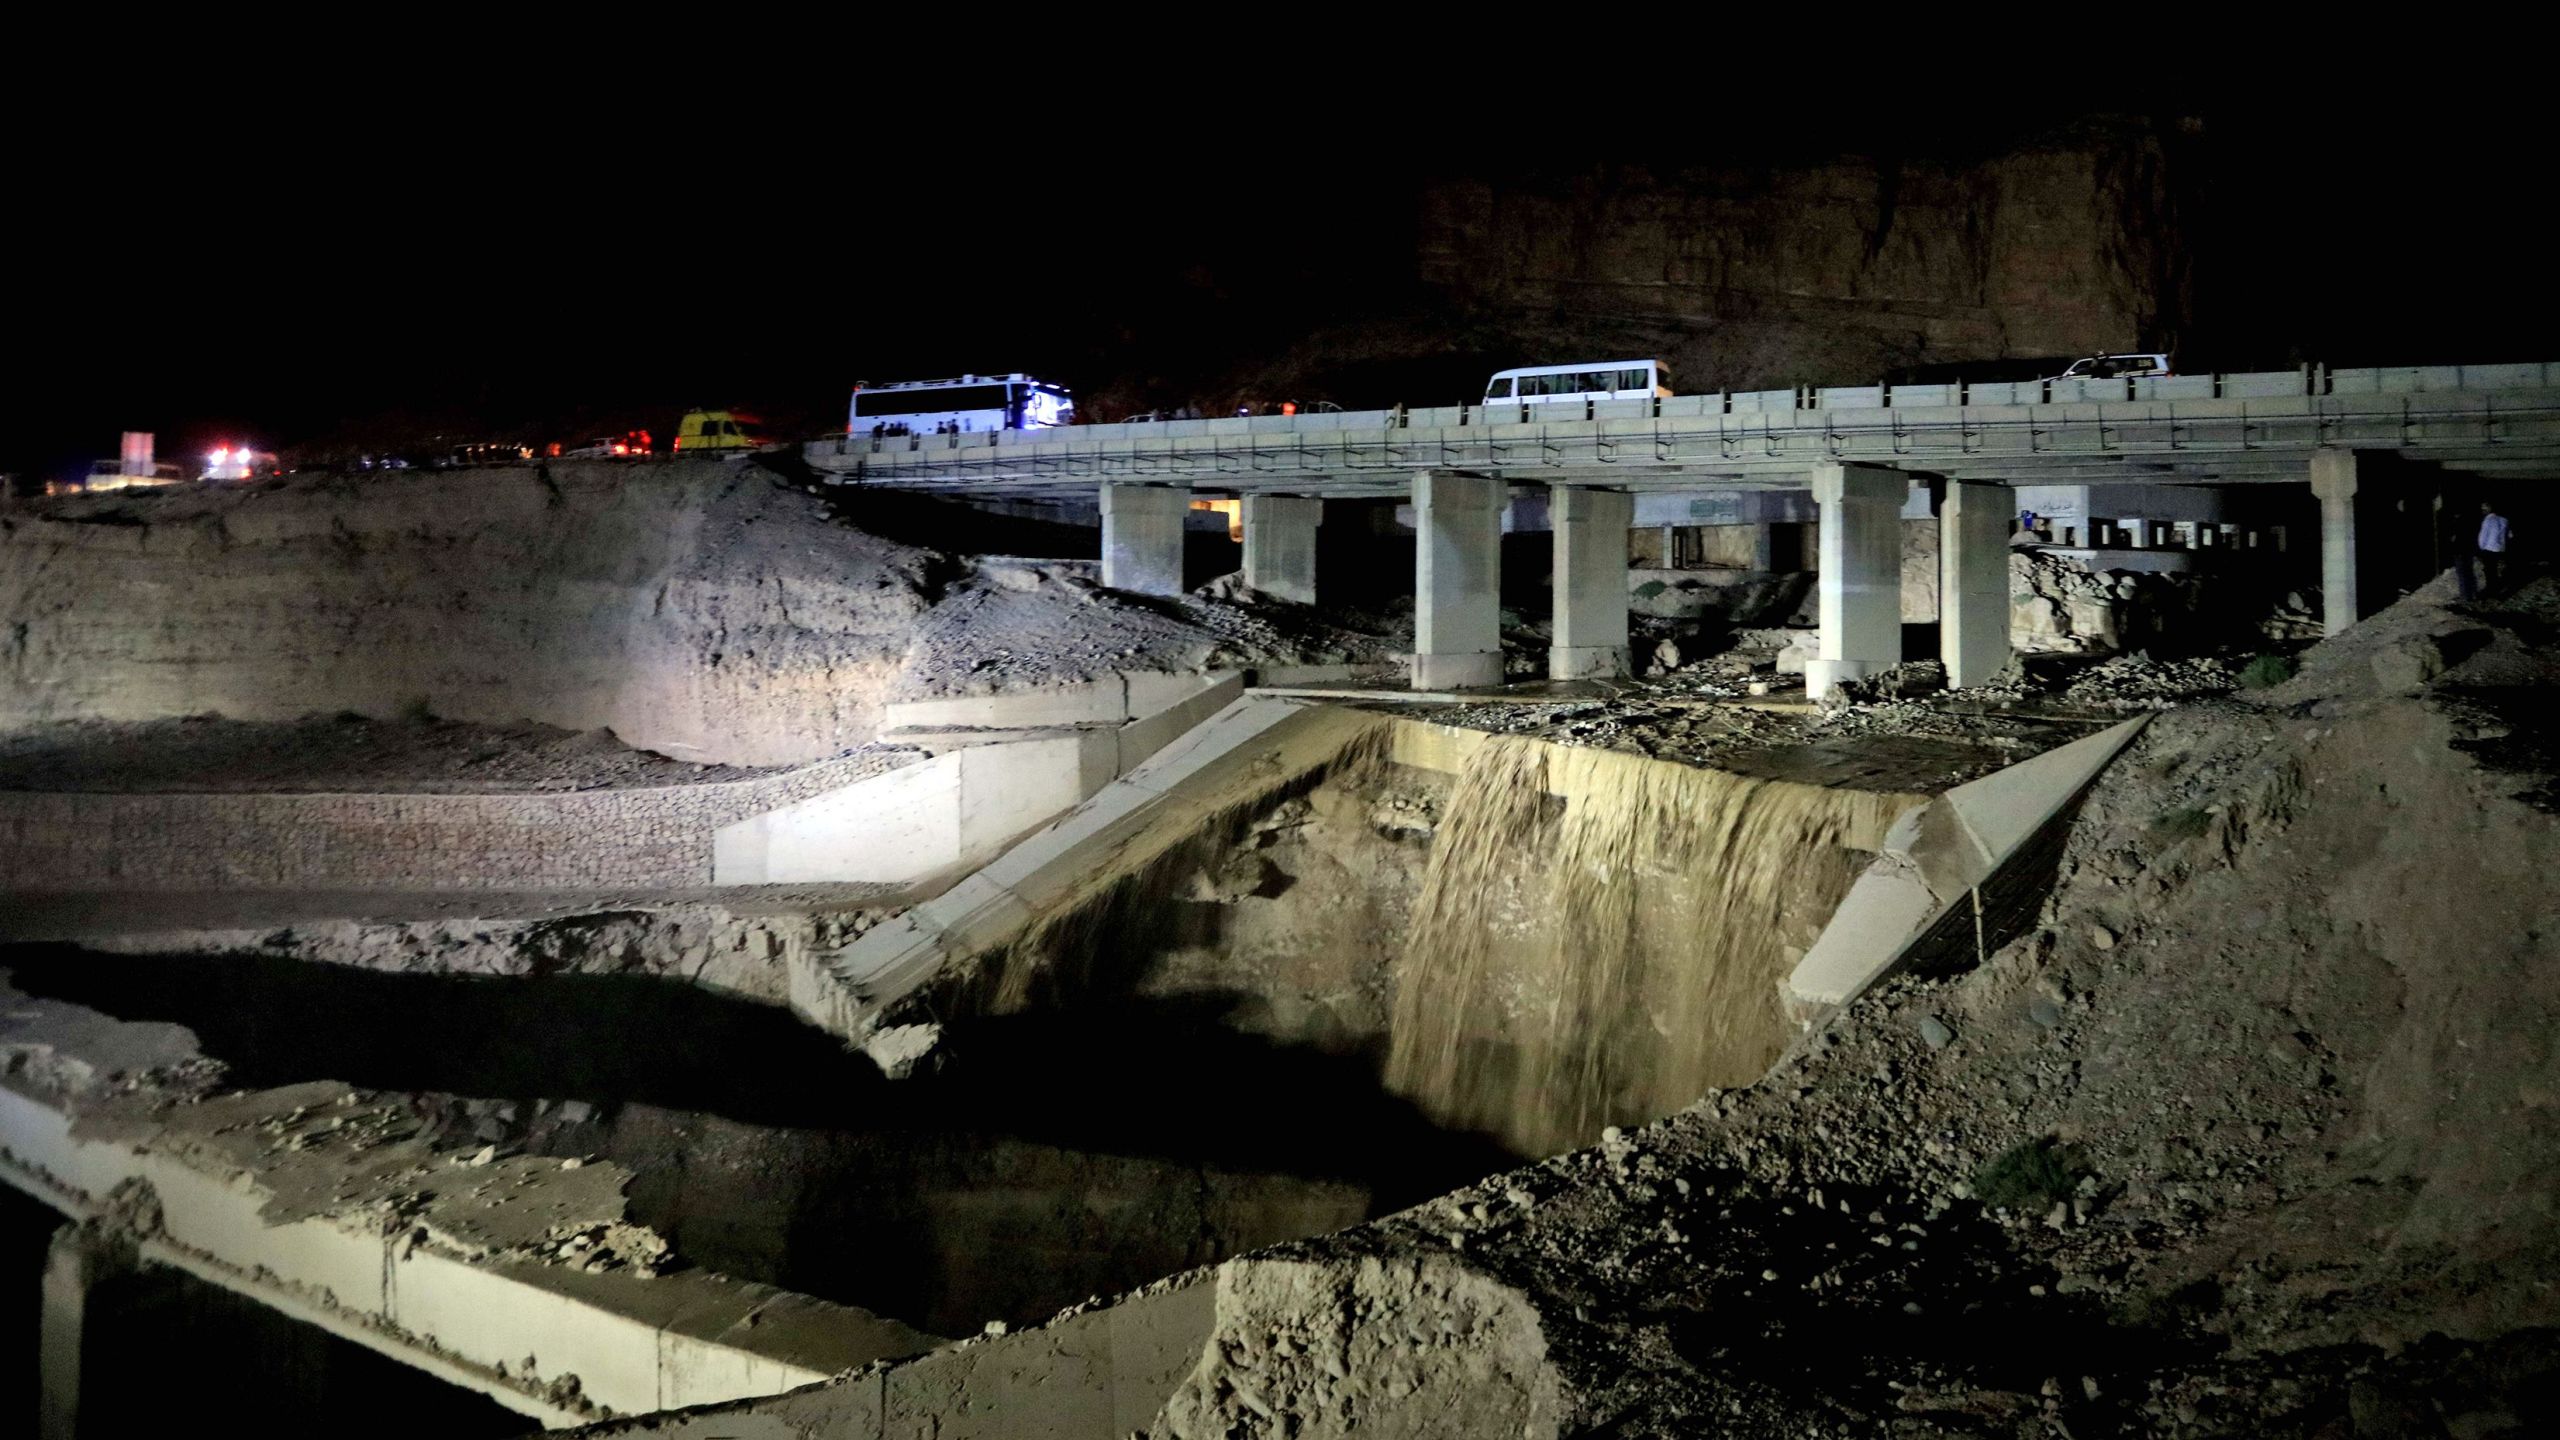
(1932, 858)
(202, 1191)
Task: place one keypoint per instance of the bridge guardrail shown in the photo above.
(2412, 424)
(1351, 426)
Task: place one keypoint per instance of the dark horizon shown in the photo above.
(480, 300)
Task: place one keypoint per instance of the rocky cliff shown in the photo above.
(1829, 273)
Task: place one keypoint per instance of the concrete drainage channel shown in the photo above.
(1130, 1046)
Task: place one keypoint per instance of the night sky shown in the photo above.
(516, 261)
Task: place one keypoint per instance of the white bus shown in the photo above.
(1592, 380)
(967, 404)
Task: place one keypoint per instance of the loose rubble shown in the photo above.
(1981, 1203)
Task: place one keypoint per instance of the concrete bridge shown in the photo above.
(1854, 458)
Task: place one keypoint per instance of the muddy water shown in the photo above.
(1600, 936)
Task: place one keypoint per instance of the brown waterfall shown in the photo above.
(1600, 936)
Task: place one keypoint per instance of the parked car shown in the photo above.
(2116, 367)
(630, 445)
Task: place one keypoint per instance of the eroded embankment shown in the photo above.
(691, 607)
(703, 609)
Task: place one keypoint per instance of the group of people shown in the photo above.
(883, 429)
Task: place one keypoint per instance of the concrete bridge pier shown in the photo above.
(2334, 483)
(1973, 581)
(1280, 545)
(1590, 582)
(1860, 579)
(1457, 610)
(1142, 537)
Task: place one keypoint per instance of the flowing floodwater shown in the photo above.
(1600, 936)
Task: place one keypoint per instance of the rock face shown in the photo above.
(694, 608)
(1829, 273)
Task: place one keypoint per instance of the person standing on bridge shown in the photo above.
(2493, 548)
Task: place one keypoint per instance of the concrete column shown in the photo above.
(1457, 608)
(1764, 547)
(1590, 582)
(1142, 538)
(1280, 545)
(76, 1262)
(2333, 480)
(1973, 581)
(1860, 579)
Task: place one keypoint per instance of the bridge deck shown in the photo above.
(2233, 429)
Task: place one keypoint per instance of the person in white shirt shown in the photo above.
(2493, 548)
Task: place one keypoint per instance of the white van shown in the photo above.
(1592, 380)
(2117, 367)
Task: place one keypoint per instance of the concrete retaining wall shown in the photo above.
(1005, 765)
(979, 773)
(634, 1344)
(955, 809)
(1101, 1375)
(591, 840)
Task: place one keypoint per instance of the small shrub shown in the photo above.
(2030, 1175)
(2184, 824)
(2265, 670)
(417, 710)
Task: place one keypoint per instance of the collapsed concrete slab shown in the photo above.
(1935, 858)
(516, 1277)
(1265, 1344)
(1245, 752)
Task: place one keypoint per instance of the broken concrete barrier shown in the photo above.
(1933, 858)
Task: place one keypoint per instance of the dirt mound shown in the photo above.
(1016, 622)
(2250, 1134)
(1414, 1348)
(690, 607)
